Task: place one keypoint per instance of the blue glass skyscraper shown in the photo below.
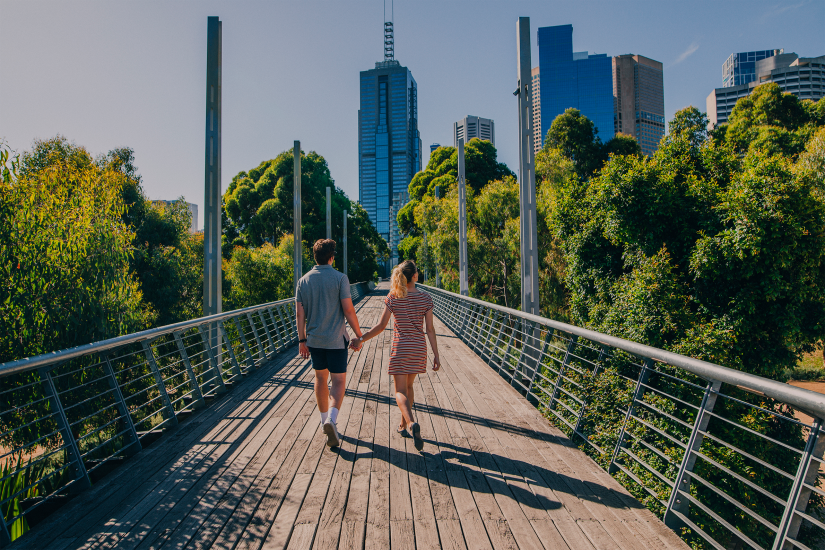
(740, 68)
(389, 143)
(573, 79)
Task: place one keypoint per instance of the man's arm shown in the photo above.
(301, 321)
(352, 318)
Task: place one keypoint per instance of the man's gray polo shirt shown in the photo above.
(320, 293)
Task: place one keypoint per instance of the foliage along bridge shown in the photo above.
(202, 466)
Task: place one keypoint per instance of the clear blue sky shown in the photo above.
(109, 74)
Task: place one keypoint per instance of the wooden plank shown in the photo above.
(105, 501)
(526, 420)
(143, 518)
(378, 533)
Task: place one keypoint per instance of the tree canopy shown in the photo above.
(259, 210)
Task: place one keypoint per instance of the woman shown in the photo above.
(410, 308)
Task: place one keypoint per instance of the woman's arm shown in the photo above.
(428, 320)
(378, 328)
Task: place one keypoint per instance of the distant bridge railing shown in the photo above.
(716, 452)
(69, 416)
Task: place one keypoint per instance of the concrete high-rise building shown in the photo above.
(389, 143)
(471, 127)
(535, 91)
(639, 100)
(193, 211)
(740, 68)
(573, 79)
(803, 77)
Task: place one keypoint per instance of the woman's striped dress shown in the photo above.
(409, 348)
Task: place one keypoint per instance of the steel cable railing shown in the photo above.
(75, 413)
(719, 454)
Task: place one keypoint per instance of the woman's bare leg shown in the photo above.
(403, 396)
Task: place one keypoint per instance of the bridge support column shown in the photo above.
(297, 254)
(212, 185)
(464, 288)
(526, 174)
(345, 245)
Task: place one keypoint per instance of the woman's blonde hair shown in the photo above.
(401, 275)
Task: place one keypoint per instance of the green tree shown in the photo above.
(774, 122)
(64, 259)
(259, 209)
(260, 275)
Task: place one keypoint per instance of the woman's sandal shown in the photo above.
(418, 441)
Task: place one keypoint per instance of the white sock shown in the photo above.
(333, 414)
(324, 417)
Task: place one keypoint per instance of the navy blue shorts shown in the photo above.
(333, 360)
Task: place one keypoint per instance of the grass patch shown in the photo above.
(809, 368)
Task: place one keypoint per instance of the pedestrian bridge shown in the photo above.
(241, 462)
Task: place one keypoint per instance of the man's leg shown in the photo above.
(322, 392)
(336, 392)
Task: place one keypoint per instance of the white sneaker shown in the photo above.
(333, 440)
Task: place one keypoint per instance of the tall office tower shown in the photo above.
(389, 143)
(639, 100)
(471, 127)
(434, 146)
(573, 79)
(740, 68)
(803, 77)
(535, 90)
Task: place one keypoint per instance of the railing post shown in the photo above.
(216, 369)
(697, 435)
(169, 409)
(281, 341)
(580, 419)
(806, 476)
(122, 408)
(467, 313)
(474, 329)
(499, 332)
(286, 325)
(196, 388)
(544, 345)
(524, 356)
(5, 535)
(485, 347)
(249, 361)
(555, 395)
(266, 330)
(509, 346)
(261, 353)
(236, 367)
(631, 407)
(72, 449)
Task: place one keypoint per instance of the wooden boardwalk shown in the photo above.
(253, 471)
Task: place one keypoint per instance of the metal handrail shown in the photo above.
(90, 404)
(650, 434)
(800, 398)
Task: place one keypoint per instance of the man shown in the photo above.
(323, 301)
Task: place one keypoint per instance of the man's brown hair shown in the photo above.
(323, 250)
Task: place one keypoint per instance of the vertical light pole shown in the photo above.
(212, 182)
(526, 175)
(462, 223)
(329, 213)
(345, 244)
(437, 270)
(297, 257)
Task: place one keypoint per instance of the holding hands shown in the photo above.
(356, 343)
